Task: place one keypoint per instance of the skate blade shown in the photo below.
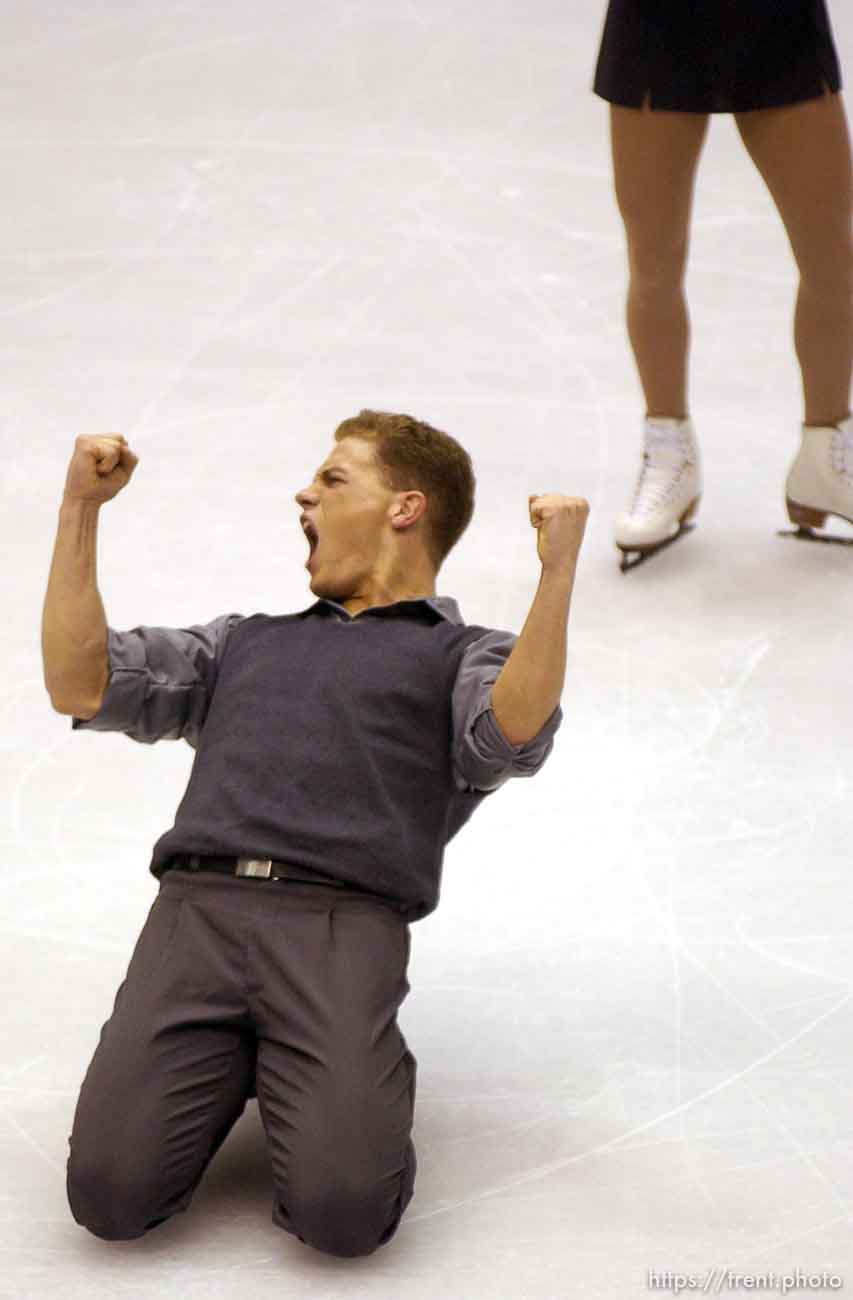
(806, 535)
(642, 553)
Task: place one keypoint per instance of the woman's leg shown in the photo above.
(803, 153)
(655, 155)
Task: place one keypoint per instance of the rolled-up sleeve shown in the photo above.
(161, 680)
(483, 758)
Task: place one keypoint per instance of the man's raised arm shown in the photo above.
(74, 626)
(529, 686)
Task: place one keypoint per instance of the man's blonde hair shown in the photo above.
(412, 455)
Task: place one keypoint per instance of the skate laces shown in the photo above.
(666, 455)
(842, 450)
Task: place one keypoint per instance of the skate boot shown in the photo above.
(820, 480)
(667, 494)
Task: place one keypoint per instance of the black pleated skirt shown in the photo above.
(716, 56)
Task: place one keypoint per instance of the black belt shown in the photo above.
(252, 868)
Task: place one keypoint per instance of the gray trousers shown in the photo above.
(241, 987)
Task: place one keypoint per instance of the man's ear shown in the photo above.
(409, 509)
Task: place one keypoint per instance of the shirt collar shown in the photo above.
(445, 606)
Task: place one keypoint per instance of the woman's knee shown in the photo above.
(829, 293)
(821, 240)
(657, 266)
(655, 157)
(657, 241)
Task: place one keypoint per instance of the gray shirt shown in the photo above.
(161, 677)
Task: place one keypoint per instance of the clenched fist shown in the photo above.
(560, 522)
(100, 467)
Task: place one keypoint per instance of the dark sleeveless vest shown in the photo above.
(328, 744)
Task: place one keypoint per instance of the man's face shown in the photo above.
(347, 503)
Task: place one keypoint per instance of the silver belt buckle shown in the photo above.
(261, 867)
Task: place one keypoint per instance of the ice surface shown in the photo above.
(225, 229)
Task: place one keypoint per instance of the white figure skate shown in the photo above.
(667, 493)
(820, 480)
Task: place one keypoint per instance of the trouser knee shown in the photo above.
(107, 1204)
(339, 1225)
(349, 1220)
